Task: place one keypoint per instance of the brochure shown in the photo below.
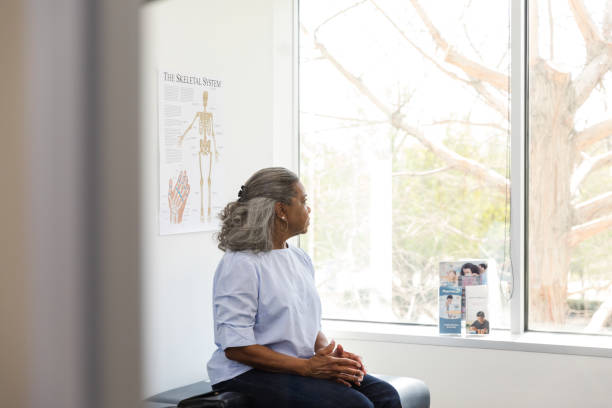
(450, 310)
(477, 310)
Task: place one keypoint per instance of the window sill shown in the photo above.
(535, 342)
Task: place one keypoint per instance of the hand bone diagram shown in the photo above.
(177, 197)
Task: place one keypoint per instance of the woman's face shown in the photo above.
(298, 211)
(467, 272)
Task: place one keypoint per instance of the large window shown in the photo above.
(405, 154)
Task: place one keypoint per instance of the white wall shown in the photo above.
(467, 377)
(232, 40)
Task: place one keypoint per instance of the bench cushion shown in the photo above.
(176, 395)
(413, 393)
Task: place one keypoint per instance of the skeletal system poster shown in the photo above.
(191, 138)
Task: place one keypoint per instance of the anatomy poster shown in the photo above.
(191, 139)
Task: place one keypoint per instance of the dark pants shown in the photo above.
(273, 390)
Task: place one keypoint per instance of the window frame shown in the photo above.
(518, 163)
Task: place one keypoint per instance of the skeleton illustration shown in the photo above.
(206, 130)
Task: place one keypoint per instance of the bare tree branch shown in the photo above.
(586, 25)
(353, 80)
(327, 20)
(471, 68)
(447, 226)
(344, 118)
(476, 70)
(592, 73)
(593, 134)
(599, 53)
(465, 122)
(600, 317)
(331, 129)
(488, 98)
(596, 289)
(433, 31)
(416, 47)
(594, 208)
(452, 158)
(582, 232)
(466, 32)
(500, 106)
(420, 174)
(588, 166)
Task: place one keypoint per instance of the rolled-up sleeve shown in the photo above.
(235, 301)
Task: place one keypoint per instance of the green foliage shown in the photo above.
(446, 215)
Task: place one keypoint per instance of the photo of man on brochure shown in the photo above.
(450, 309)
(480, 325)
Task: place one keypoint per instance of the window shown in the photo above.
(570, 177)
(405, 153)
(404, 132)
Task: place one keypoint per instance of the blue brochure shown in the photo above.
(450, 310)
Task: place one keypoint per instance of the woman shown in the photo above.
(267, 311)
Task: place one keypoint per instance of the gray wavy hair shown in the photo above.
(247, 223)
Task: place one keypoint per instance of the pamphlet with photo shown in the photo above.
(477, 309)
(450, 310)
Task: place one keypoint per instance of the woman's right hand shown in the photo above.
(324, 365)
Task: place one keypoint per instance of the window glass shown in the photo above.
(404, 151)
(570, 173)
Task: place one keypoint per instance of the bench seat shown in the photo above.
(413, 393)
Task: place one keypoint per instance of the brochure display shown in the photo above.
(464, 293)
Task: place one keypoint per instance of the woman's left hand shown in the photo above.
(340, 352)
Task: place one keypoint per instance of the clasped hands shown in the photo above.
(335, 363)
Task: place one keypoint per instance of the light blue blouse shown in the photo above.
(269, 299)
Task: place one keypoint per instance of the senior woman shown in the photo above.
(267, 313)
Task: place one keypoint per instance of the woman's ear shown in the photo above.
(279, 208)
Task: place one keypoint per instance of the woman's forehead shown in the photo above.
(299, 189)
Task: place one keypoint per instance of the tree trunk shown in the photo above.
(551, 158)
